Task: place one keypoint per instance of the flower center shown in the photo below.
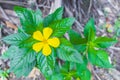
(45, 41)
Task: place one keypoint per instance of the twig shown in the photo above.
(96, 75)
(92, 70)
(79, 25)
(4, 14)
(36, 4)
(8, 21)
(55, 5)
(90, 6)
(0, 30)
(115, 48)
(43, 6)
(70, 14)
(117, 9)
(115, 74)
(68, 11)
(15, 3)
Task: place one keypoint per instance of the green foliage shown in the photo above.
(76, 39)
(117, 28)
(117, 23)
(81, 47)
(29, 19)
(91, 48)
(66, 52)
(89, 30)
(83, 72)
(118, 32)
(69, 60)
(4, 74)
(16, 38)
(22, 60)
(90, 43)
(69, 54)
(58, 76)
(105, 42)
(46, 64)
(67, 71)
(61, 26)
(57, 15)
(99, 58)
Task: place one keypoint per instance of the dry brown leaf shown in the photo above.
(33, 73)
(10, 25)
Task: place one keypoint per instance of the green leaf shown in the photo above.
(65, 42)
(91, 35)
(65, 67)
(68, 78)
(4, 74)
(117, 23)
(75, 38)
(99, 58)
(81, 48)
(30, 20)
(60, 27)
(83, 72)
(22, 61)
(68, 75)
(28, 43)
(72, 66)
(20, 29)
(46, 64)
(90, 25)
(105, 42)
(67, 53)
(16, 38)
(57, 76)
(57, 15)
(66, 71)
(11, 50)
(117, 32)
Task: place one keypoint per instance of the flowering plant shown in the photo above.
(40, 42)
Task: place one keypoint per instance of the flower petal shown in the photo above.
(38, 46)
(46, 50)
(54, 42)
(47, 32)
(38, 35)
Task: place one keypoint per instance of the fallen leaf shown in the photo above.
(10, 25)
(34, 73)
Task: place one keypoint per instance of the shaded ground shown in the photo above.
(104, 11)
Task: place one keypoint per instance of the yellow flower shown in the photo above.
(45, 41)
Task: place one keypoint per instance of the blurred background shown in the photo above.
(107, 19)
